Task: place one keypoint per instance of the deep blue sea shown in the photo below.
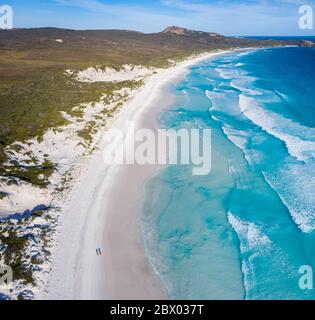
(244, 230)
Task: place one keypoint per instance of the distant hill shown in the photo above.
(117, 46)
(190, 33)
(33, 63)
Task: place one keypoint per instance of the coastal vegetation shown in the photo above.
(34, 87)
(36, 92)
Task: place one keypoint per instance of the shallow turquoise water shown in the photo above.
(243, 231)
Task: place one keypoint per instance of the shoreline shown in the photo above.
(96, 217)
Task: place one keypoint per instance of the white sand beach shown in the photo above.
(103, 212)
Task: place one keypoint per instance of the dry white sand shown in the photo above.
(103, 212)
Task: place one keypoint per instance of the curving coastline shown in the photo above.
(96, 217)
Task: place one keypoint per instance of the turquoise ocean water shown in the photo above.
(244, 230)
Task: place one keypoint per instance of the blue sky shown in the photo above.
(229, 17)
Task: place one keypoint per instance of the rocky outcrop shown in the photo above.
(308, 44)
(186, 32)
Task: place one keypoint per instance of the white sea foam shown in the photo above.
(253, 243)
(241, 85)
(238, 137)
(281, 95)
(246, 53)
(227, 73)
(249, 234)
(299, 140)
(295, 184)
(220, 102)
(239, 79)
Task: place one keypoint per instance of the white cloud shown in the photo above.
(128, 16)
(250, 17)
(242, 18)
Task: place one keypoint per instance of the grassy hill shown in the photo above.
(34, 88)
